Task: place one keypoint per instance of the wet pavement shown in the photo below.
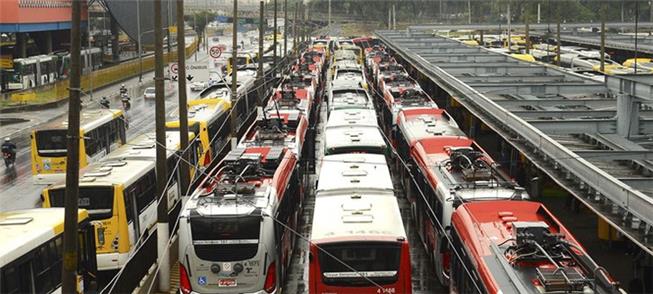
(16, 185)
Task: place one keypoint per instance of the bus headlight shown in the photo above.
(238, 268)
(100, 236)
(215, 268)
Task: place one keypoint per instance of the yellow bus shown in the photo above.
(103, 130)
(243, 59)
(209, 120)
(31, 251)
(119, 193)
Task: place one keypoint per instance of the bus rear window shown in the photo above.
(225, 238)
(51, 143)
(97, 200)
(379, 262)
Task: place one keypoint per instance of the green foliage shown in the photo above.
(200, 19)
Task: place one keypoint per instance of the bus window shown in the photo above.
(51, 143)
(97, 200)
(47, 265)
(16, 278)
(374, 257)
(241, 236)
(145, 192)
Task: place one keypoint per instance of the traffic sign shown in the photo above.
(215, 52)
(173, 68)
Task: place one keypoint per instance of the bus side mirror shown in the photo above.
(310, 257)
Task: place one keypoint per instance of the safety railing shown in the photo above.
(96, 79)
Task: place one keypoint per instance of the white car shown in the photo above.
(197, 86)
(149, 93)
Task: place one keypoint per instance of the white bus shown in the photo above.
(31, 251)
(230, 237)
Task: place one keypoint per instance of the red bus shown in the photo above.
(519, 247)
(358, 243)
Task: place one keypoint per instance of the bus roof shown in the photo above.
(202, 110)
(88, 119)
(24, 230)
(144, 146)
(419, 123)
(354, 172)
(354, 138)
(352, 117)
(112, 172)
(357, 216)
(489, 228)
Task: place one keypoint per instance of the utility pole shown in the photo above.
(509, 29)
(161, 169)
(294, 31)
(261, 35)
(69, 272)
(285, 28)
(168, 42)
(636, 32)
(234, 71)
(394, 17)
(558, 41)
(140, 49)
(469, 11)
(184, 180)
(538, 12)
(330, 18)
(603, 15)
(389, 19)
(527, 30)
(274, 41)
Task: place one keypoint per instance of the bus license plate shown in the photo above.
(227, 283)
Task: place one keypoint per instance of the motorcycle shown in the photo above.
(126, 105)
(9, 158)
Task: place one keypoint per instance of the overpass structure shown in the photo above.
(591, 138)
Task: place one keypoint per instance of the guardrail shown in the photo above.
(629, 199)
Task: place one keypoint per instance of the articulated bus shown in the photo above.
(209, 120)
(358, 242)
(119, 193)
(31, 251)
(103, 130)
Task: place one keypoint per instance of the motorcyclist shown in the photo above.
(8, 151)
(123, 90)
(105, 102)
(125, 101)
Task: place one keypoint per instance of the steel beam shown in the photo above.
(542, 26)
(592, 103)
(617, 155)
(564, 114)
(643, 184)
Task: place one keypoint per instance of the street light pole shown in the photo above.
(163, 256)
(140, 49)
(70, 254)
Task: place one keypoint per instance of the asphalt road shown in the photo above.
(17, 190)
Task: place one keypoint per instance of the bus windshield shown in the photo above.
(51, 143)
(378, 262)
(97, 200)
(225, 238)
